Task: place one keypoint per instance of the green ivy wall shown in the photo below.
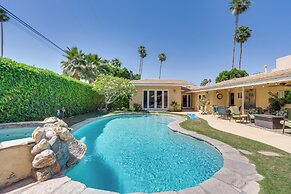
(28, 93)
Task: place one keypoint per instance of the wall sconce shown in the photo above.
(174, 90)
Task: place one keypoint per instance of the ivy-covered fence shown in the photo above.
(28, 93)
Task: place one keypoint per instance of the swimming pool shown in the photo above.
(138, 153)
(15, 133)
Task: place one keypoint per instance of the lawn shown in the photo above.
(276, 170)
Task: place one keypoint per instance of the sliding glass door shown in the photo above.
(155, 99)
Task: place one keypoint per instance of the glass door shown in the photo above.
(159, 99)
(151, 99)
(186, 101)
(155, 99)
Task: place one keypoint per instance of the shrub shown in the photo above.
(28, 93)
(175, 105)
(137, 107)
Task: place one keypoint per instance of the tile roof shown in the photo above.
(162, 82)
(256, 79)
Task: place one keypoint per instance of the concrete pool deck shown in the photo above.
(268, 137)
(237, 176)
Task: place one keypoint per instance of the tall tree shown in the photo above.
(142, 53)
(75, 62)
(93, 67)
(111, 88)
(237, 7)
(205, 82)
(243, 33)
(162, 57)
(3, 18)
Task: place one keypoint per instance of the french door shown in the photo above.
(186, 101)
(155, 99)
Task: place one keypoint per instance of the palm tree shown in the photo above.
(75, 62)
(93, 67)
(243, 33)
(162, 57)
(3, 18)
(142, 53)
(237, 7)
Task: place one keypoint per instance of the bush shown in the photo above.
(227, 75)
(137, 107)
(28, 93)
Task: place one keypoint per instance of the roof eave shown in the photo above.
(268, 81)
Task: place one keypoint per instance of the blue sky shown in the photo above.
(195, 35)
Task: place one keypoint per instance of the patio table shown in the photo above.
(268, 121)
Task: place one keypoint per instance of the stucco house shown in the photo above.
(250, 91)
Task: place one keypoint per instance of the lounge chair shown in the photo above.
(236, 115)
(222, 111)
(286, 122)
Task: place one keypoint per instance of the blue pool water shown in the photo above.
(15, 133)
(138, 153)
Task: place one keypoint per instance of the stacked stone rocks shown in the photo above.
(55, 149)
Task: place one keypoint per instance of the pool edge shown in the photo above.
(237, 174)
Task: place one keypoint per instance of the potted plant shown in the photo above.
(203, 102)
(175, 105)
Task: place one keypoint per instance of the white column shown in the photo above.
(243, 100)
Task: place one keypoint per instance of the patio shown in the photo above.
(262, 135)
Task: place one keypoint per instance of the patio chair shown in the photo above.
(214, 110)
(254, 111)
(222, 111)
(236, 115)
(287, 121)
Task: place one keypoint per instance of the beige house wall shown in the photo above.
(175, 94)
(261, 95)
(15, 164)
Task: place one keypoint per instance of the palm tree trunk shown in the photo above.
(141, 66)
(234, 41)
(140, 61)
(160, 70)
(240, 55)
(1, 39)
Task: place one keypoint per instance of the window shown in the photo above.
(239, 95)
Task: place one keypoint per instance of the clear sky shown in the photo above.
(195, 35)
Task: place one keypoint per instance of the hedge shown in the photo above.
(28, 93)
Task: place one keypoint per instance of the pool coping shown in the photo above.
(237, 174)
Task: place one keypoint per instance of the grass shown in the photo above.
(276, 170)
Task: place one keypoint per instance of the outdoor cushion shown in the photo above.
(221, 110)
(234, 110)
(287, 123)
(289, 113)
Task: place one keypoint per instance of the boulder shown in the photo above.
(38, 134)
(63, 133)
(61, 123)
(60, 148)
(42, 174)
(56, 168)
(39, 147)
(77, 150)
(50, 120)
(44, 159)
(50, 133)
